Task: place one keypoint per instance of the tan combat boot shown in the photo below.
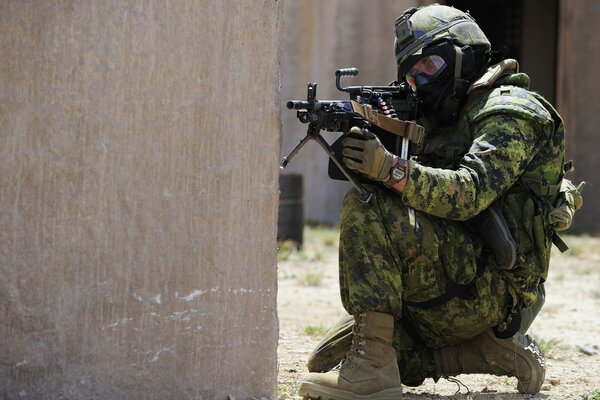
(369, 371)
(518, 356)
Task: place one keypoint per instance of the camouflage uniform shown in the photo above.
(507, 145)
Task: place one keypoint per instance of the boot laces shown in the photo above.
(459, 385)
(357, 348)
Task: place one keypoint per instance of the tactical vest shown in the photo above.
(519, 227)
(523, 211)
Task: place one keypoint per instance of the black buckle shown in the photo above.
(509, 327)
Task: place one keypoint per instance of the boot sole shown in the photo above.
(319, 392)
(537, 377)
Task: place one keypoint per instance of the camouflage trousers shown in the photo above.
(390, 260)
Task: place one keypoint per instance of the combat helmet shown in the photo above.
(450, 35)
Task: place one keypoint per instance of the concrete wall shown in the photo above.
(578, 98)
(138, 199)
(320, 37)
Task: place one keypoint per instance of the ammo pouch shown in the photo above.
(495, 233)
(497, 236)
(515, 230)
(492, 227)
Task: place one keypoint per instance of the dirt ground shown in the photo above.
(568, 327)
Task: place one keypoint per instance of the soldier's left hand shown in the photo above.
(364, 153)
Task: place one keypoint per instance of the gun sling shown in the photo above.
(406, 129)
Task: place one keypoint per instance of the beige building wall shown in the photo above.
(138, 199)
(578, 99)
(320, 37)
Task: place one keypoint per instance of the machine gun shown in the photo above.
(386, 111)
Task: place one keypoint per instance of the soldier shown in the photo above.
(443, 272)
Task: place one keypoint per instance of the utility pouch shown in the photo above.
(491, 225)
(526, 216)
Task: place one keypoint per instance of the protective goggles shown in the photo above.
(425, 70)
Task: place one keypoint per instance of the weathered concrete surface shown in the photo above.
(578, 97)
(138, 199)
(320, 37)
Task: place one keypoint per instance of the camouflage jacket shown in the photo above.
(507, 144)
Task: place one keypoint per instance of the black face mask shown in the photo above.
(434, 94)
(441, 98)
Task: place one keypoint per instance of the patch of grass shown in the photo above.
(322, 236)
(320, 242)
(313, 279)
(588, 271)
(330, 241)
(595, 395)
(574, 250)
(287, 390)
(508, 381)
(549, 347)
(315, 330)
(286, 249)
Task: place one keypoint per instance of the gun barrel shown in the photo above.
(298, 105)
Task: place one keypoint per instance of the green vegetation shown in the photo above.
(315, 330)
(286, 249)
(318, 240)
(588, 270)
(320, 236)
(509, 381)
(313, 279)
(575, 250)
(582, 246)
(287, 390)
(595, 395)
(549, 347)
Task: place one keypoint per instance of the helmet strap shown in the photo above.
(449, 106)
(458, 58)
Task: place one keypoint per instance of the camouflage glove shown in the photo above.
(365, 153)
